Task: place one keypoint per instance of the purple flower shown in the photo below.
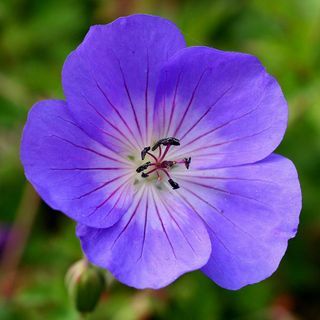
(163, 155)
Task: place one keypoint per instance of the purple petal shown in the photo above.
(251, 211)
(223, 106)
(110, 79)
(154, 243)
(73, 173)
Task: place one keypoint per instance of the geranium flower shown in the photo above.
(163, 155)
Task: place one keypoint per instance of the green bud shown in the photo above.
(85, 284)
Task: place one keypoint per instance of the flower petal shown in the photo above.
(251, 211)
(73, 173)
(223, 106)
(152, 245)
(110, 79)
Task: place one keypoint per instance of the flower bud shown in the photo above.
(85, 284)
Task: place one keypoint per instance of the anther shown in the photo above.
(166, 142)
(144, 175)
(173, 184)
(143, 167)
(171, 141)
(187, 162)
(144, 152)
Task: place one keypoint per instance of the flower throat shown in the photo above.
(159, 163)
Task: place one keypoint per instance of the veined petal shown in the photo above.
(110, 79)
(73, 173)
(223, 106)
(152, 245)
(251, 211)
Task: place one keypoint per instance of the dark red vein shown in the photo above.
(164, 116)
(98, 142)
(88, 149)
(162, 225)
(130, 100)
(101, 186)
(145, 226)
(189, 104)
(220, 127)
(204, 221)
(125, 189)
(229, 141)
(146, 100)
(127, 224)
(203, 155)
(108, 122)
(111, 195)
(205, 114)
(111, 104)
(167, 207)
(85, 169)
(173, 105)
(118, 114)
(231, 178)
(220, 212)
(222, 190)
(115, 137)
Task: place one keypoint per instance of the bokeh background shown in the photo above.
(37, 245)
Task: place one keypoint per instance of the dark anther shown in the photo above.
(143, 167)
(171, 141)
(166, 141)
(167, 164)
(144, 152)
(144, 175)
(173, 184)
(157, 145)
(187, 162)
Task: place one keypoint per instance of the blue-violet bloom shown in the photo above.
(162, 154)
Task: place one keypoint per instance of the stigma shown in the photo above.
(160, 164)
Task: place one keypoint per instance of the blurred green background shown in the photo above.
(35, 38)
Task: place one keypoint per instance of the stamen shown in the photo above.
(165, 153)
(146, 174)
(160, 152)
(143, 167)
(171, 141)
(151, 155)
(156, 145)
(187, 162)
(144, 152)
(166, 172)
(173, 184)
